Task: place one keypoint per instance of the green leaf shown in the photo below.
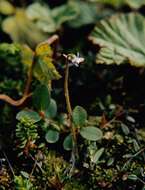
(63, 119)
(23, 183)
(41, 98)
(110, 161)
(64, 13)
(86, 14)
(125, 129)
(41, 15)
(79, 116)
(6, 7)
(50, 20)
(52, 136)
(130, 119)
(25, 174)
(121, 40)
(9, 49)
(97, 155)
(141, 134)
(118, 3)
(127, 156)
(45, 71)
(26, 55)
(136, 4)
(115, 3)
(136, 145)
(51, 111)
(22, 30)
(68, 143)
(28, 114)
(91, 133)
(132, 177)
(10, 53)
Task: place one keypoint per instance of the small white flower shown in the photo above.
(74, 59)
(77, 60)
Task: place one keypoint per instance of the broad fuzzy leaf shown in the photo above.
(87, 14)
(121, 38)
(22, 30)
(65, 13)
(135, 3)
(50, 20)
(117, 3)
(41, 15)
(6, 7)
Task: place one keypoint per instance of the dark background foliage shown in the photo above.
(100, 89)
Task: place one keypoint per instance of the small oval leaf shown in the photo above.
(110, 161)
(25, 174)
(132, 177)
(79, 116)
(52, 136)
(125, 129)
(51, 111)
(97, 155)
(28, 114)
(6, 8)
(91, 133)
(68, 143)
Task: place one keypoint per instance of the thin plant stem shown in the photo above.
(26, 94)
(69, 110)
(37, 164)
(34, 166)
(13, 102)
(141, 180)
(68, 103)
(10, 166)
(66, 91)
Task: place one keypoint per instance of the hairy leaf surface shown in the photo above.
(121, 38)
